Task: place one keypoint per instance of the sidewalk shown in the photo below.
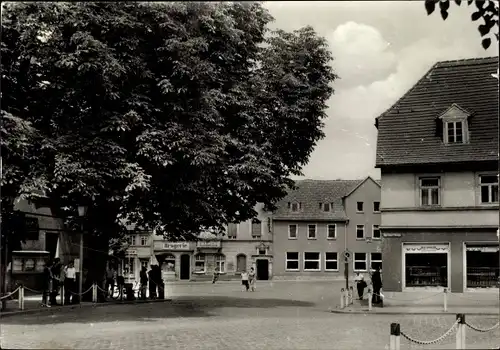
(428, 303)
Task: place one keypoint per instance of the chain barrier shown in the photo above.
(10, 294)
(477, 329)
(88, 290)
(434, 341)
(34, 291)
(408, 300)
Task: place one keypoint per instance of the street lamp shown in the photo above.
(82, 210)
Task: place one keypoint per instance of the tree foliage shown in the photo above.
(174, 115)
(486, 10)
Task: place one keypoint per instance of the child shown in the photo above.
(251, 279)
(244, 280)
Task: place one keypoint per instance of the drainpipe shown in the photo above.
(346, 264)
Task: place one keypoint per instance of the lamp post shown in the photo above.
(82, 210)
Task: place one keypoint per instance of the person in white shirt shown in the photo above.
(244, 280)
(359, 279)
(69, 282)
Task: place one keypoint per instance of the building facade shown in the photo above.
(437, 149)
(318, 221)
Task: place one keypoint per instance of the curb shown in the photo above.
(65, 308)
(383, 312)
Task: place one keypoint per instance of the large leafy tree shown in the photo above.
(180, 116)
(486, 13)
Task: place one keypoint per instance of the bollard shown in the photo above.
(94, 293)
(62, 295)
(346, 297)
(460, 335)
(369, 299)
(351, 295)
(395, 340)
(342, 298)
(20, 297)
(445, 299)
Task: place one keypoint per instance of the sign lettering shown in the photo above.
(176, 246)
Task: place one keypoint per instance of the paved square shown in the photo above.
(280, 315)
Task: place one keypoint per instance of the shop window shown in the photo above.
(241, 263)
(199, 263)
(312, 261)
(359, 261)
(292, 261)
(331, 261)
(169, 263)
(426, 269)
(220, 263)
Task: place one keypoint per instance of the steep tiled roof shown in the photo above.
(407, 132)
(312, 192)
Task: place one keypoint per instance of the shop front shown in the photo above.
(481, 261)
(426, 265)
(175, 259)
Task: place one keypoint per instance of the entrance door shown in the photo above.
(185, 266)
(262, 269)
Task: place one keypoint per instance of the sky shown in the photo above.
(380, 49)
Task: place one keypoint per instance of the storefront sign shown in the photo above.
(176, 246)
(392, 235)
(426, 248)
(131, 252)
(483, 249)
(208, 244)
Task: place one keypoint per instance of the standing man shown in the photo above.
(110, 280)
(47, 283)
(359, 279)
(377, 285)
(56, 280)
(144, 282)
(69, 283)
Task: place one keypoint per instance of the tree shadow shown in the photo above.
(185, 307)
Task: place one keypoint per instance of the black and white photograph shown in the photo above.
(267, 175)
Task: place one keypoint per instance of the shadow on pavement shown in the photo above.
(182, 308)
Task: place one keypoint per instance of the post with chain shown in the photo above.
(94, 292)
(460, 335)
(20, 297)
(351, 295)
(342, 298)
(445, 299)
(62, 295)
(370, 294)
(395, 340)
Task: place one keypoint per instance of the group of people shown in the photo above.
(55, 275)
(376, 279)
(151, 279)
(248, 280)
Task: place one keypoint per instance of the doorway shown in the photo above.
(262, 269)
(185, 267)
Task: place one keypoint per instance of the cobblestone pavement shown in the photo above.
(284, 316)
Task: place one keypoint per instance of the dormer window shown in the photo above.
(326, 207)
(455, 125)
(295, 206)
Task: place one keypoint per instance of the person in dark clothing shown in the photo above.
(159, 281)
(377, 286)
(56, 280)
(152, 282)
(144, 283)
(47, 283)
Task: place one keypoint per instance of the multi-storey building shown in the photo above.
(437, 149)
(321, 219)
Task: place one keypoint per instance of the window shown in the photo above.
(489, 188)
(256, 228)
(199, 263)
(332, 231)
(360, 231)
(375, 261)
(220, 263)
(295, 207)
(241, 262)
(169, 263)
(325, 206)
(312, 261)
(131, 239)
(311, 232)
(144, 240)
(359, 261)
(292, 261)
(262, 251)
(331, 261)
(231, 230)
(454, 132)
(129, 267)
(292, 231)
(144, 263)
(31, 228)
(376, 207)
(359, 207)
(29, 264)
(429, 191)
(376, 232)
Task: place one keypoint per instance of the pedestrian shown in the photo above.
(251, 279)
(110, 280)
(359, 279)
(244, 281)
(152, 282)
(47, 283)
(215, 276)
(377, 286)
(69, 283)
(56, 280)
(144, 282)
